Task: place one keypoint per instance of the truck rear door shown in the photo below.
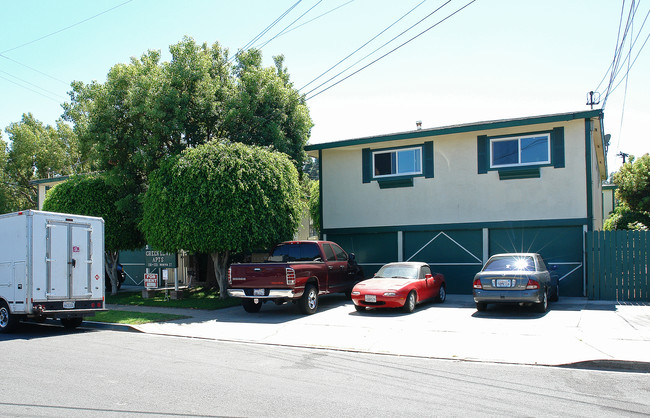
(69, 259)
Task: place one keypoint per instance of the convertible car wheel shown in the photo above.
(409, 305)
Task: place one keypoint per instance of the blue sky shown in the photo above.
(495, 59)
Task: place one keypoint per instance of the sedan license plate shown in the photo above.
(504, 283)
(371, 298)
(68, 305)
(258, 292)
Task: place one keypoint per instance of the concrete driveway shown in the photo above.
(574, 330)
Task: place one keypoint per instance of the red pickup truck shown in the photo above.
(297, 271)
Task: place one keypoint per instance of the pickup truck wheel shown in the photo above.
(8, 321)
(71, 323)
(409, 305)
(309, 300)
(251, 305)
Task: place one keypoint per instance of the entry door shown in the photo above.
(68, 259)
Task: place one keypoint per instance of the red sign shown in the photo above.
(75, 249)
(150, 280)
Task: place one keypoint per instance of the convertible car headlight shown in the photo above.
(390, 294)
(356, 293)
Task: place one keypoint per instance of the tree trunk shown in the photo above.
(220, 261)
(111, 263)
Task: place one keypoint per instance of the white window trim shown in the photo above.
(519, 138)
(387, 151)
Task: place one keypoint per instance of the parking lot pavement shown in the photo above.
(573, 331)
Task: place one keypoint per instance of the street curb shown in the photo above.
(109, 326)
(610, 365)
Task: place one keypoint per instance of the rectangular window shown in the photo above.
(520, 151)
(399, 162)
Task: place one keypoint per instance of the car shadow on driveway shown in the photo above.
(277, 314)
(510, 311)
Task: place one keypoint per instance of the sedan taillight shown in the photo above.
(532, 284)
(477, 284)
(291, 277)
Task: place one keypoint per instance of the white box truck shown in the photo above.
(51, 266)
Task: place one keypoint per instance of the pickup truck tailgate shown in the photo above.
(262, 275)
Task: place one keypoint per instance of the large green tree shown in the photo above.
(37, 151)
(221, 198)
(633, 194)
(149, 109)
(96, 195)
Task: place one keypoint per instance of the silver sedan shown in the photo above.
(515, 277)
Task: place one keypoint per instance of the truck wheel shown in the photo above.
(8, 321)
(71, 323)
(309, 300)
(251, 305)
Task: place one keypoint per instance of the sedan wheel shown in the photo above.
(409, 305)
(543, 305)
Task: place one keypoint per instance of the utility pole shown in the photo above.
(590, 99)
(624, 155)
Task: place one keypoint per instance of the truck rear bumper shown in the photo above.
(268, 294)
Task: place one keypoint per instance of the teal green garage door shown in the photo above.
(457, 254)
(560, 246)
(371, 250)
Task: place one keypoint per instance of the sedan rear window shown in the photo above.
(510, 263)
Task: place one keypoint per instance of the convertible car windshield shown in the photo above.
(510, 263)
(404, 272)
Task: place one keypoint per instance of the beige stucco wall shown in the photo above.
(457, 194)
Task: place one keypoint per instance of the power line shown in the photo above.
(27, 88)
(66, 28)
(619, 47)
(32, 84)
(362, 46)
(317, 17)
(288, 26)
(33, 69)
(377, 49)
(393, 50)
(268, 28)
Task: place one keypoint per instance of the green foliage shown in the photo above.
(133, 318)
(148, 109)
(624, 218)
(633, 191)
(36, 151)
(222, 197)
(314, 204)
(96, 196)
(193, 298)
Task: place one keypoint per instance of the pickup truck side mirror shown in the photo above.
(352, 256)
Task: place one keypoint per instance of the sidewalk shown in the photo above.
(574, 331)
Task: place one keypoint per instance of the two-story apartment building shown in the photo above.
(452, 196)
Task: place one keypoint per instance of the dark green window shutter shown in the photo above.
(366, 157)
(427, 151)
(557, 147)
(483, 154)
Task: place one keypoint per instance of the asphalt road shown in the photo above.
(48, 371)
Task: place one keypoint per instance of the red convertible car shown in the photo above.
(399, 285)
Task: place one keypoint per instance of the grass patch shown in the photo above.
(133, 318)
(195, 298)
